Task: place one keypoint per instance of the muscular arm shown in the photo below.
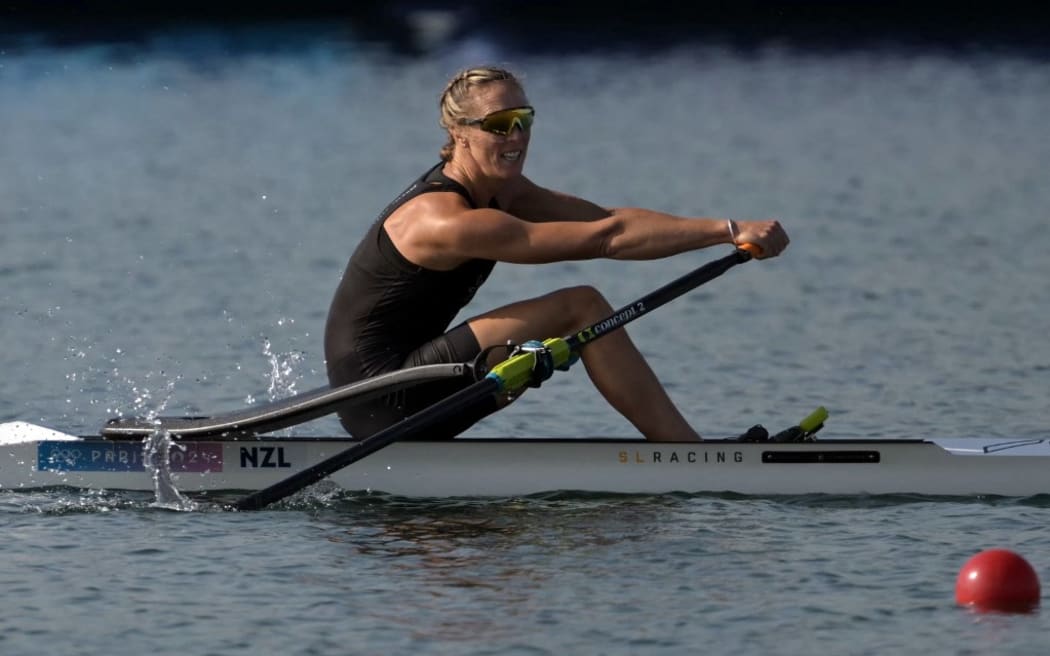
(636, 233)
(625, 234)
(442, 231)
(618, 233)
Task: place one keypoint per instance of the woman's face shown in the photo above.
(499, 156)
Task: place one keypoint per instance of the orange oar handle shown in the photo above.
(754, 249)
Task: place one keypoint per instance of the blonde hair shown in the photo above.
(457, 93)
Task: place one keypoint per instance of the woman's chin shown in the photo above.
(510, 168)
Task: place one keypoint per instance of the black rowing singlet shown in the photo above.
(387, 309)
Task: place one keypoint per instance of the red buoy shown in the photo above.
(998, 580)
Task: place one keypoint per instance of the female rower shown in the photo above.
(428, 252)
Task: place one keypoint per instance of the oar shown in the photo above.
(512, 375)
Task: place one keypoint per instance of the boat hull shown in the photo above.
(33, 457)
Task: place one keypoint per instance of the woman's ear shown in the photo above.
(455, 133)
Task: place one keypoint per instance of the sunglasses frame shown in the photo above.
(519, 120)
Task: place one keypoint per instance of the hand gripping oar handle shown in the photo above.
(513, 374)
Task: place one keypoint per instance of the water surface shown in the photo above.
(176, 214)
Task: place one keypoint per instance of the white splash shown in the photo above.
(284, 374)
(157, 446)
(157, 458)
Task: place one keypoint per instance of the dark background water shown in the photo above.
(180, 191)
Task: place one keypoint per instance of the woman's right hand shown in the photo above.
(767, 235)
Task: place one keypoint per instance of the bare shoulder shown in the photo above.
(417, 225)
(531, 202)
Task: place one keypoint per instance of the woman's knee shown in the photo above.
(553, 314)
(583, 303)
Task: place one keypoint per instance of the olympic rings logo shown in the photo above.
(67, 457)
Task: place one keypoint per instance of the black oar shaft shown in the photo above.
(657, 298)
